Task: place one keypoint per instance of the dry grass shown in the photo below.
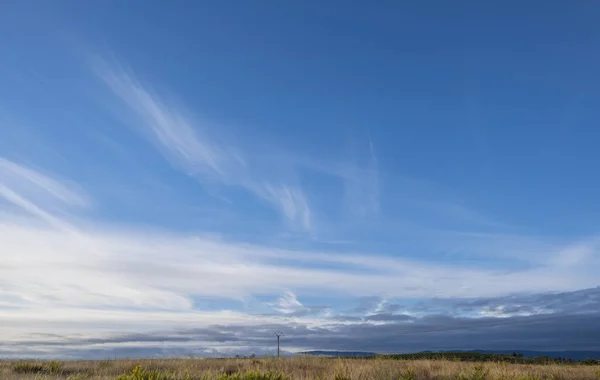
(296, 368)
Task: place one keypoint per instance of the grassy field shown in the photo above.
(293, 368)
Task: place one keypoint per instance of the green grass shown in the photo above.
(478, 372)
(140, 373)
(252, 375)
(52, 368)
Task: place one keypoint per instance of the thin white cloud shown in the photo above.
(577, 254)
(292, 202)
(371, 148)
(288, 303)
(173, 133)
(102, 268)
(189, 146)
(31, 208)
(26, 188)
(362, 184)
(18, 176)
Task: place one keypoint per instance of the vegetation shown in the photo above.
(487, 357)
(397, 367)
(52, 368)
(139, 373)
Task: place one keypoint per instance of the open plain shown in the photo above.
(298, 368)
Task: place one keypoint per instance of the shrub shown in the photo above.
(409, 374)
(479, 373)
(139, 373)
(252, 375)
(55, 368)
(340, 376)
(28, 367)
(79, 376)
(52, 368)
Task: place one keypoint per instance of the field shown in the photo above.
(290, 368)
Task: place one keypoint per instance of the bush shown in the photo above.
(79, 376)
(55, 368)
(139, 373)
(340, 376)
(472, 357)
(479, 373)
(52, 368)
(409, 374)
(28, 367)
(252, 375)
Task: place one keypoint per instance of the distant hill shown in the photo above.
(574, 355)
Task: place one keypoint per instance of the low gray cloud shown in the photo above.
(388, 317)
(573, 325)
(540, 332)
(365, 304)
(580, 301)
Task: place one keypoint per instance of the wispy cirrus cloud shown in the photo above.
(22, 179)
(362, 186)
(189, 145)
(288, 305)
(25, 188)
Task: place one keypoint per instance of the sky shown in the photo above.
(186, 178)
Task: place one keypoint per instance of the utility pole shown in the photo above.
(278, 334)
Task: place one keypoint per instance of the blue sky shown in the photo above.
(227, 168)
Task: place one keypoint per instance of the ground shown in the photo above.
(290, 369)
